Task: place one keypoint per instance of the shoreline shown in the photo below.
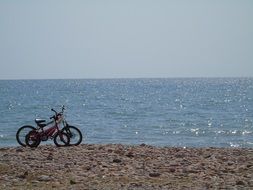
(117, 166)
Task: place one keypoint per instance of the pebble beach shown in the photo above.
(116, 166)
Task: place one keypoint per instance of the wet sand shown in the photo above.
(125, 167)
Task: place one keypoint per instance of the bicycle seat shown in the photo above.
(38, 121)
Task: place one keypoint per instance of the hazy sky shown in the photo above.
(130, 38)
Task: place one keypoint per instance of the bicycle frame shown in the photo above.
(50, 132)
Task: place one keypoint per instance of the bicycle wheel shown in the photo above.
(74, 133)
(61, 139)
(32, 139)
(22, 132)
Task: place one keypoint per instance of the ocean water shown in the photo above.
(185, 112)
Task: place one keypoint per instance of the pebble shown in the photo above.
(240, 182)
(72, 182)
(116, 160)
(19, 150)
(154, 174)
(24, 175)
(130, 154)
(44, 178)
(172, 170)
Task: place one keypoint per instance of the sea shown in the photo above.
(171, 112)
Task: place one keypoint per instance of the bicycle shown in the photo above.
(73, 132)
(39, 134)
(34, 137)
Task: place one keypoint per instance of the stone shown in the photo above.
(240, 182)
(50, 156)
(116, 160)
(172, 170)
(19, 150)
(109, 150)
(23, 176)
(72, 182)
(130, 154)
(249, 165)
(230, 163)
(154, 174)
(44, 178)
(250, 183)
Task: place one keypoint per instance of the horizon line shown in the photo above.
(112, 78)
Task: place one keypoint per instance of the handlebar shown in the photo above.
(53, 111)
(56, 114)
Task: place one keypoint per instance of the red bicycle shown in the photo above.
(35, 136)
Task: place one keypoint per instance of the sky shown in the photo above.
(125, 38)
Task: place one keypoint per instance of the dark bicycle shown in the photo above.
(31, 136)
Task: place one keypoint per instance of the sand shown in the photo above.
(111, 166)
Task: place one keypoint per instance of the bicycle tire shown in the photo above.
(32, 139)
(74, 133)
(18, 137)
(65, 140)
